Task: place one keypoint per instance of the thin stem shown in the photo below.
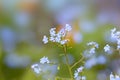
(77, 62)
(67, 61)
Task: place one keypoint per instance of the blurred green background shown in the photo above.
(24, 22)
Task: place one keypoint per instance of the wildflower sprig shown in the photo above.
(93, 45)
(59, 37)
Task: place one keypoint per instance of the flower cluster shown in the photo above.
(116, 35)
(36, 67)
(76, 74)
(107, 48)
(93, 45)
(44, 60)
(58, 37)
(114, 77)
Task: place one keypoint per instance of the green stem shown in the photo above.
(77, 62)
(67, 62)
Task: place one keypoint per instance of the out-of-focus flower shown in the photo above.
(80, 69)
(80, 78)
(116, 77)
(92, 51)
(94, 61)
(76, 74)
(83, 78)
(87, 26)
(44, 60)
(90, 63)
(93, 45)
(116, 35)
(36, 68)
(63, 42)
(107, 48)
(118, 47)
(45, 39)
(16, 61)
(77, 37)
(68, 27)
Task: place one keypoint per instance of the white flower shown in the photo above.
(118, 47)
(63, 42)
(52, 39)
(83, 78)
(93, 44)
(112, 76)
(44, 60)
(118, 41)
(80, 69)
(92, 51)
(113, 30)
(78, 78)
(107, 48)
(52, 32)
(76, 74)
(61, 33)
(116, 77)
(115, 35)
(45, 39)
(68, 27)
(57, 39)
(36, 68)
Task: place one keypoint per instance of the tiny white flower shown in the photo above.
(63, 42)
(115, 35)
(76, 74)
(78, 78)
(45, 39)
(68, 27)
(117, 77)
(80, 69)
(112, 76)
(52, 39)
(36, 68)
(107, 48)
(61, 33)
(92, 51)
(83, 78)
(93, 44)
(113, 30)
(52, 32)
(118, 41)
(118, 47)
(44, 60)
(57, 39)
